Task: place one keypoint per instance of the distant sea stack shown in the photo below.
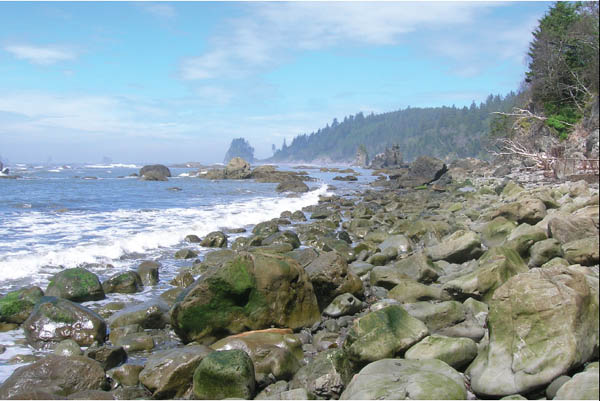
(240, 148)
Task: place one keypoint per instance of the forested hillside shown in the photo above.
(434, 131)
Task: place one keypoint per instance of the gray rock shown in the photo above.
(108, 356)
(224, 374)
(148, 271)
(155, 171)
(456, 352)
(458, 247)
(437, 315)
(149, 315)
(67, 347)
(325, 376)
(582, 386)
(543, 251)
(345, 304)
(127, 283)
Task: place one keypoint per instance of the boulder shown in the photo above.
(274, 352)
(456, 352)
(185, 254)
(250, 292)
(148, 271)
(139, 341)
(78, 285)
(523, 237)
(387, 276)
(237, 169)
(405, 379)
(544, 251)
(582, 251)
(67, 347)
(399, 243)
(149, 315)
(109, 356)
(495, 267)
(423, 171)
(54, 375)
(342, 305)
(126, 283)
(390, 158)
(495, 232)
(216, 239)
(458, 247)
(567, 227)
(282, 237)
(126, 374)
(16, 306)
(224, 374)
(156, 172)
(526, 210)
(325, 376)
(55, 319)
(383, 334)
(437, 315)
(418, 267)
(168, 373)
(582, 386)
(330, 277)
(409, 291)
(542, 323)
(182, 279)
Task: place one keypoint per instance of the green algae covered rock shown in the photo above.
(496, 231)
(224, 374)
(495, 267)
(78, 285)
(408, 291)
(542, 323)
(582, 251)
(16, 306)
(125, 283)
(437, 315)
(523, 237)
(383, 334)
(456, 352)
(253, 291)
(404, 379)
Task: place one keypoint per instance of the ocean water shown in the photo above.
(97, 216)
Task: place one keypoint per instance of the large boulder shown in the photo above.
(54, 375)
(292, 185)
(405, 379)
(526, 210)
(567, 227)
(274, 352)
(250, 292)
(16, 306)
(78, 284)
(582, 251)
(523, 237)
(125, 283)
(437, 315)
(216, 239)
(155, 172)
(495, 267)
(168, 373)
(423, 171)
(148, 271)
(457, 247)
(383, 334)
(224, 374)
(418, 267)
(330, 277)
(409, 291)
(55, 319)
(542, 323)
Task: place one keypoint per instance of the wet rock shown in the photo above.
(552, 314)
(292, 185)
(527, 210)
(237, 169)
(133, 342)
(91, 395)
(170, 296)
(404, 379)
(400, 243)
(360, 268)
(192, 238)
(409, 291)
(437, 315)
(55, 375)
(182, 279)
(155, 172)
(383, 334)
(148, 271)
(149, 315)
(126, 374)
(456, 352)
(185, 254)
(330, 277)
(78, 285)
(168, 374)
(418, 267)
(303, 256)
(215, 239)
(16, 306)
(125, 283)
(282, 237)
(253, 291)
(56, 319)
(224, 374)
(274, 352)
(67, 347)
(131, 393)
(108, 356)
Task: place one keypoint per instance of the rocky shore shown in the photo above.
(440, 282)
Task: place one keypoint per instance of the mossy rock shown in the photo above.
(224, 374)
(496, 231)
(456, 352)
(250, 292)
(583, 251)
(437, 315)
(523, 237)
(77, 284)
(16, 306)
(126, 283)
(459, 247)
(185, 254)
(216, 239)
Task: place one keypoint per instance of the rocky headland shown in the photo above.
(441, 282)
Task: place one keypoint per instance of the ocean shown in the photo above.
(100, 217)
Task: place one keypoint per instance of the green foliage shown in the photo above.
(240, 148)
(433, 131)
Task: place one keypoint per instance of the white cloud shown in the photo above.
(159, 10)
(42, 55)
(269, 32)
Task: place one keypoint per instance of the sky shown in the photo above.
(177, 81)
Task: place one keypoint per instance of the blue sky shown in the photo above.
(177, 81)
